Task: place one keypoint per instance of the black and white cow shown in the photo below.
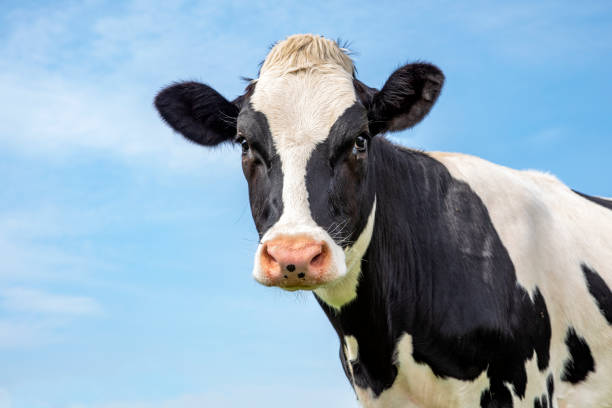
(451, 281)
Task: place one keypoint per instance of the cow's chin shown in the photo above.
(305, 259)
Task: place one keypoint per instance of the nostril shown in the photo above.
(267, 256)
(319, 258)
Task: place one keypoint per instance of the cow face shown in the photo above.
(306, 129)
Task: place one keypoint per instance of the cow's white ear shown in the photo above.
(405, 99)
(198, 112)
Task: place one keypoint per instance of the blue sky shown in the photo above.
(127, 251)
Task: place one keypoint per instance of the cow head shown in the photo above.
(307, 128)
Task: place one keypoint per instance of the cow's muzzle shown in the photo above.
(294, 262)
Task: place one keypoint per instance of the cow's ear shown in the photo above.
(405, 99)
(198, 112)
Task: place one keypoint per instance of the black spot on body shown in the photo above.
(301, 275)
(597, 200)
(497, 396)
(291, 267)
(550, 387)
(541, 402)
(580, 362)
(537, 403)
(541, 330)
(600, 292)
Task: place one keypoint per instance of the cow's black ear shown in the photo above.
(198, 112)
(405, 99)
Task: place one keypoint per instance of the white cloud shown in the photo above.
(34, 317)
(18, 333)
(83, 82)
(19, 299)
(533, 33)
(29, 247)
(31, 316)
(65, 117)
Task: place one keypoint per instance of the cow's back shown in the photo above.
(561, 243)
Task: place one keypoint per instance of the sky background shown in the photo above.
(126, 252)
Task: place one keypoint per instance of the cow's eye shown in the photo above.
(361, 143)
(244, 144)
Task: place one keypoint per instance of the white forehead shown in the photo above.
(301, 107)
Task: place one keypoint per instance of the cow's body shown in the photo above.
(458, 244)
(451, 282)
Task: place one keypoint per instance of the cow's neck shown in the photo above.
(390, 273)
(408, 186)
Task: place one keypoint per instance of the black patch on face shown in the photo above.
(581, 362)
(498, 396)
(437, 270)
(262, 169)
(600, 292)
(598, 200)
(340, 193)
(550, 387)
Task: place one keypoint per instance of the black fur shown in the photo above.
(550, 387)
(541, 402)
(405, 99)
(581, 362)
(262, 168)
(498, 396)
(365, 94)
(600, 292)
(340, 193)
(598, 200)
(198, 112)
(537, 403)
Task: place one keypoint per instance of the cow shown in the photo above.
(450, 281)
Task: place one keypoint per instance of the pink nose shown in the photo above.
(294, 262)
